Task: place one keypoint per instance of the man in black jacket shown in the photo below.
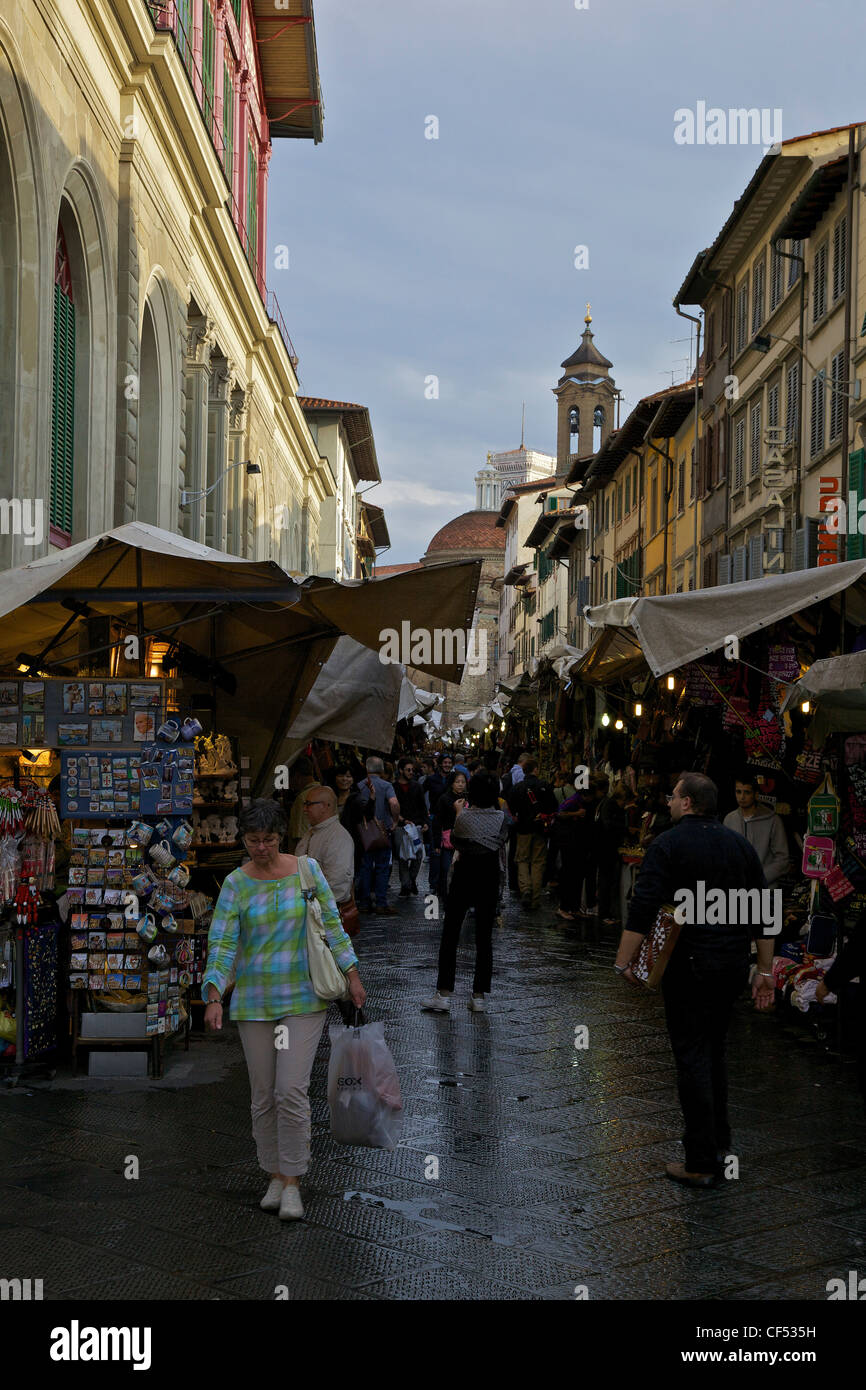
(710, 962)
(533, 805)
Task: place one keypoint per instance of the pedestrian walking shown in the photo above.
(532, 803)
(709, 965)
(350, 807)
(478, 835)
(259, 925)
(451, 803)
(575, 819)
(380, 803)
(413, 813)
(332, 847)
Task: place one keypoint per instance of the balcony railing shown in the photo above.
(166, 19)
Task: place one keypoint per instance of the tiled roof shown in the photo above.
(471, 531)
(535, 486)
(319, 403)
(381, 571)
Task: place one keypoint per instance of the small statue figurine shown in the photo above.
(27, 904)
(207, 758)
(225, 763)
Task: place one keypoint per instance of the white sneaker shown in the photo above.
(439, 1004)
(477, 1004)
(291, 1206)
(271, 1199)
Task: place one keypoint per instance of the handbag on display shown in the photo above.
(821, 927)
(823, 809)
(819, 854)
(656, 950)
(328, 980)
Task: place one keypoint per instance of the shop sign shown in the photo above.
(828, 531)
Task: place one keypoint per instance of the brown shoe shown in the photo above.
(387, 911)
(677, 1173)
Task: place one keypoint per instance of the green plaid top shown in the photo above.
(260, 925)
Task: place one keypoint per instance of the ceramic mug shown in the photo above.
(163, 829)
(182, 836)
(140, 833)
(169, 922)
(161, 854)
(162, 900)
(142, 883)
(190, 730)
(169, 732)
(179, 875)
(158, 955)
(147, 927)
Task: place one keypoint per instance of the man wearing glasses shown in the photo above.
(328, 842)
(709, 965)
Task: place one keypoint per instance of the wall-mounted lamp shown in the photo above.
(187, 496)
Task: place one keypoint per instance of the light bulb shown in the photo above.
(605, 719)
(670, 682)
(638, 709)
(618, 724)
(805, 707)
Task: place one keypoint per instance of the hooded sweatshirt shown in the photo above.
(766, 833)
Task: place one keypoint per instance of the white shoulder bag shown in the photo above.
(329, 982)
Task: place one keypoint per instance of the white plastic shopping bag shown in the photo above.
(363, 1089)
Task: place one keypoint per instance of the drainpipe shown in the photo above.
(695, 320)
(849, 251)
(798, 486)
(670, 472)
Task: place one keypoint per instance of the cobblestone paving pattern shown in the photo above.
(550, 1157)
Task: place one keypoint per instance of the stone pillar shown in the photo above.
(217, 453)
(238, 482)
(242, 140)
(128, 291)
(262, 248)
(199, 343)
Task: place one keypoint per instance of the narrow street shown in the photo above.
(549, 1156)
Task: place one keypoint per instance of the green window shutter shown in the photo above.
(207, 63)
(228, 124)
(63, 413)
(236, 6)
(856, 543)
(184, 32)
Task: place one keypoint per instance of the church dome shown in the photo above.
(587, 355)
(476, 530)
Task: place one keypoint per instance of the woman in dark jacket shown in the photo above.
(413, 811)
(450, 804)
(350, 807)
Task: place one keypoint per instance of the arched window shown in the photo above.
(63, 397)
(147, 489)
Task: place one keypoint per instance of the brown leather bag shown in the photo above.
(656, 951)
(350, 916)
(372, 832)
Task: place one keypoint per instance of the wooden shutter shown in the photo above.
(840, 252)
(856, 543)
(755, 449)
(837, 399)
(756, 557)
(229, 126)
(725, 568)
(740, 559)
(208, 45)
(806, 545)
(792, 404)
(819, 283)
(816, 437)
(758, 312)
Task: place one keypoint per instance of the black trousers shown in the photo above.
(578, 867)
(699, 1000)
(474, 883)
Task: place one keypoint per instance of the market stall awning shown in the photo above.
(270, 633)
(355, 698)
(837, 685)
(669, 630)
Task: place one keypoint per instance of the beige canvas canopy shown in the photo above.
(269, 631)
(670, 630)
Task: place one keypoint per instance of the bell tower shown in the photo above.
(585, 396)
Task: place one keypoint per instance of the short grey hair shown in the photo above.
(375, 765)
(265, 816)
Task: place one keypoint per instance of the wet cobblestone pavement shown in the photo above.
(550, 1158)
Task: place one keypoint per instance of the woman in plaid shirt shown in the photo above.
(259, 925)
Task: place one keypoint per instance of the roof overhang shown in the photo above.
(376, 525)
(813, 201)
(286, 49)
(359, 432)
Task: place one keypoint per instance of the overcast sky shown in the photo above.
(412, 257)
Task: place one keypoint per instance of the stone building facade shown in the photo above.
(143, 352)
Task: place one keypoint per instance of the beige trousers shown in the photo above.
(279, 1055)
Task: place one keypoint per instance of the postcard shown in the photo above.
(78, 982)
(32, 729)
(106, 731)
(8, 695)
(145, 696)
(144, 726)
(93, 896)
(8, 732)
(73, 734)
(33, 697)
(96, 941)
(97, 960)
(73, 697)
(96, 981)
(133, 983)
(78, 960)
(115, 698)
(77, 875)
(114, 982)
